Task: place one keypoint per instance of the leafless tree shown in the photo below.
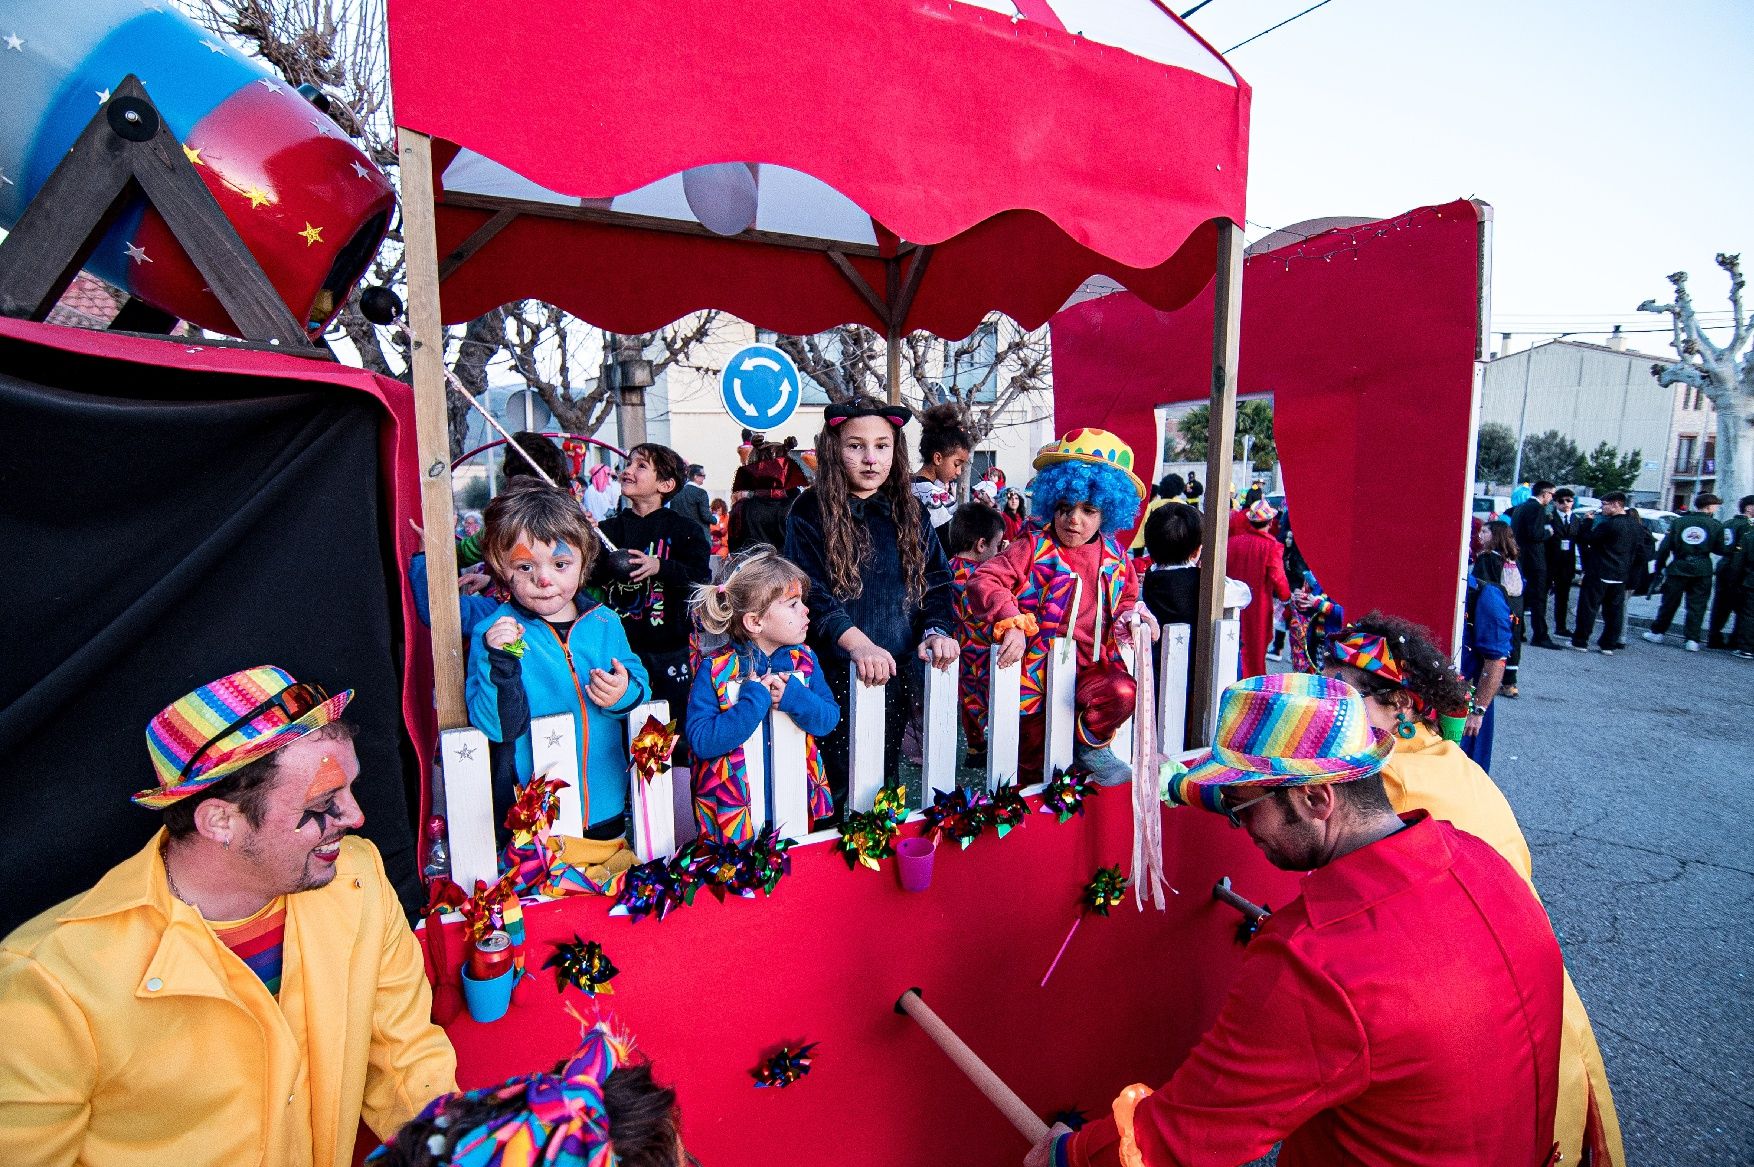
(341, 48)
(1724, 373)
(986, 373)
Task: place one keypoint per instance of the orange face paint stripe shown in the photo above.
(330, 777)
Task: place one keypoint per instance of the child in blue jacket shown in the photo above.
(551, 649)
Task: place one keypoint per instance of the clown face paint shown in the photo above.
(544, 578)
(296, 846)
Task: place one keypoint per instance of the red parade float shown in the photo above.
(907, 167)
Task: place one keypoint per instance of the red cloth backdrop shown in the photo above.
(876, 100)
(714, 988)
(1366, 338)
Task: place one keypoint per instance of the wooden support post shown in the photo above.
(938, 750)
(866, 730)
(791, 776)
(1004, 693)
(1220, 439)
(554, 753)
(432, 431)
(468, 806)
(1172, 689)
(651, 802)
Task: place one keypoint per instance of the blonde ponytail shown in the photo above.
(746, 585)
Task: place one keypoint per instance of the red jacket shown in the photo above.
(1258, 560)
(1404, 1011)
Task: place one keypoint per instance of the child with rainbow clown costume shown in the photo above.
(1071, 577)
(758, 604)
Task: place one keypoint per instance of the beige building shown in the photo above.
(683, 411)
(1595, 393)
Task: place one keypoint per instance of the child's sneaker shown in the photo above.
(1107, 769)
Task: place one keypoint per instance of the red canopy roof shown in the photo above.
(986, 156)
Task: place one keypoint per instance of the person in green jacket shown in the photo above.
(1687, 550)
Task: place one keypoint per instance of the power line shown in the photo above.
(1276, 27)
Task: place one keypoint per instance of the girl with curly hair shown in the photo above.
(1070, 577)
(945, 443)
(879, 582)
(1408, 683)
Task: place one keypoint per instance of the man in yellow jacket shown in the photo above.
(244, 989)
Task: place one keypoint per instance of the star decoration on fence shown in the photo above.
(554, 737)
(465, 753)
(312, 235)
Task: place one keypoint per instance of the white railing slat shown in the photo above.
(1172, 688)
(866, 734)
(554, 752)
(938, 748)
(754, 766)
(1004, 693)
(791, 778)
(651, 805)
(1062, 707)
(468, 781)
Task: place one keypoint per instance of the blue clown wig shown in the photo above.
(1103, 487)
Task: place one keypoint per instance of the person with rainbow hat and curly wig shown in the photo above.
(1405, 1008)
(1071, 577)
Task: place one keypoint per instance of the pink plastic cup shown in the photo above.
(913, 862)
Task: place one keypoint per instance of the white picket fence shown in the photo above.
(775, 761)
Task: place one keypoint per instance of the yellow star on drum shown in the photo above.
(312, 235)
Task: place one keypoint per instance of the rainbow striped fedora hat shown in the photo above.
(200, 738)
(1291, 729)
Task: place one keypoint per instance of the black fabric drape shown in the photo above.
(162, 527)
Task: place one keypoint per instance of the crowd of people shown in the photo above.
(250, 966)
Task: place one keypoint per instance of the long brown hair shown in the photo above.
(848, 543)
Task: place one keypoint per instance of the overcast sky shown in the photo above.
(1614, 140)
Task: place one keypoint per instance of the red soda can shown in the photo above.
(492, 956)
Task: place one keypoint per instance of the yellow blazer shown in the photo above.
(1431, 774)
(133, 1036)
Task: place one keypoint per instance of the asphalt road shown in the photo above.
(1633, 777)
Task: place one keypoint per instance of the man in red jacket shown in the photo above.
(1258, 560)
(1404, 1011)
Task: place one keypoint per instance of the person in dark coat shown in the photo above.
(692, 500)
(1614, 549)
(1562, 556)
(1531, 523)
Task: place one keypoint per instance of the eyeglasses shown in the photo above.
(1233, 811)
(293, 702)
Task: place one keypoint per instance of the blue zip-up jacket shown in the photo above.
(552, 678)
(712, 734)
